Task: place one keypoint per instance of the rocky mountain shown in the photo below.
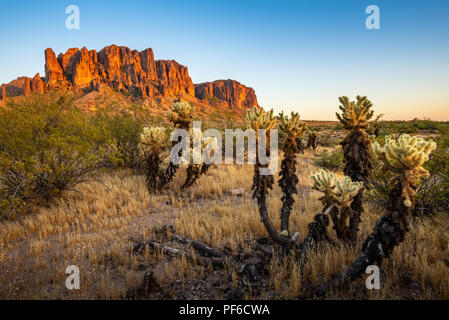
(237, 95)
(130, 71)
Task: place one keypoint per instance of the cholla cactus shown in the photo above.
(153, 141)
(375, 126)
(336, 192)
(346, 190)
(194, 171)
(356, 147)
(355, 114)
(324, 181)
(312, 141)
(258, 118)
(406, 156)
(337, 198)
(293, 128)
(181, 114)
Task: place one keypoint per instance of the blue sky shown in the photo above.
(297, 55)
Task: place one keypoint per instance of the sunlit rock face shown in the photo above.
(133, 72)
(234, 93)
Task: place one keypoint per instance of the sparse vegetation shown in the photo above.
(207, 241)
(330, 160)
(47, 146)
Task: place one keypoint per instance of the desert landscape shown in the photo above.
(217, 152)
(193, 236)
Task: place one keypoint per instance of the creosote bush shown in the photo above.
(47, 146)
(330, 160)
(124, 127)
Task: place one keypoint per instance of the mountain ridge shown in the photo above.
(133, 72)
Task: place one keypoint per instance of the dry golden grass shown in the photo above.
(93, 228)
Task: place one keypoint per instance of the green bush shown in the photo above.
(331, 161)
(124, 128)
(47, 146)
(328, 141)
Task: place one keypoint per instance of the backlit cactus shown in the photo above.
(181, 114)
(293, 128)
(337, 198)
(405, 153)
(153, 140)
(312, 141)
(346, 190)
(405, 156)
(194, 170)
(355, 114)
(258, 118)
(355, 117)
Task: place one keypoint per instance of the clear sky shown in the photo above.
(297, 55)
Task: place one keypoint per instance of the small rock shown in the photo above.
(237, 192)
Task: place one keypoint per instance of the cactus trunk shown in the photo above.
(288, 182)
(358, 166)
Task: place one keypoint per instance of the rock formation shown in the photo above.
(120, 68)
(53, 71)
(130, 71)
(22, 86)
(234, 93)
(3, 93)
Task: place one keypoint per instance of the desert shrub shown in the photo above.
(123, 127)
(331, 161)
(328, 141)
(46, 146)
(432, 194)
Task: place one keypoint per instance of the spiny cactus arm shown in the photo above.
(181, 114)
(194, 171)
(337, 198)
(152, 143)
(390, 229)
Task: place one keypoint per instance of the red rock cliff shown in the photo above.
(130, 71)
(234, 93)
(120, 68)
